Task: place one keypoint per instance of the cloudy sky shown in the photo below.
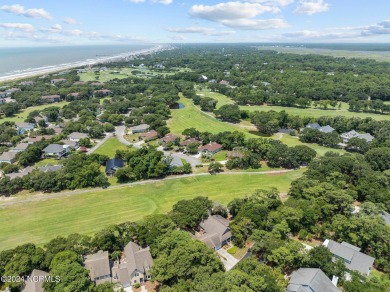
(73, 22)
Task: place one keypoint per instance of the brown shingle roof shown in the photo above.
(149, 135)
(211, 147)
(169, 138)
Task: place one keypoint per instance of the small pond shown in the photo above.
(178, 105)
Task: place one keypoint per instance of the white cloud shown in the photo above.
(26, 27)
(242, 15)
(273, 2)
(165, 2)
(20, 10)
(312, 7)
(230, 10)
(255, 24)
(201, 30)
(70, 21)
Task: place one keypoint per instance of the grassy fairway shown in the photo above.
(20, 117)
(110, 146)
(191, 117)
(316, 113)
(222, 99)
(294, 141)
(89, 212)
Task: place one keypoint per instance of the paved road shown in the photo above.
(120, 132)
(40, 197)
(100, 143)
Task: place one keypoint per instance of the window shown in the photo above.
(136, 274)
(135, 281)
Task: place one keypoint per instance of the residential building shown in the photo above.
(51, 98)
(8, 157)
(75, 95)
(224, 82)
(175, 162)
(32, 140)
(20, 147)
(140, 128)
(80, 83)
(35, 282)
(353, 134)
(189, 141)
(150, 135)
(134, 267)
(102, 92)
(74, 145)
(310, 280)
(99, 268)
(26, 83)
(20, 174)
(2, 100)
(113, 165)
(168, 138)
(313, 126)
(57, 130)
(3, 94)
(326, 129)
(12, 90)
(211, 148)
(214, 231)
(56, 150)
(56, 81)
(76, 136)
(351, 255)
(50, 168)
(21, 127)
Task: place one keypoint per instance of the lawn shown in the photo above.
(22, 115)
(89, 212)
(222, 99)
(294, 141)
(316, 113)
(191, 117)
(45, 161)
(110, 146)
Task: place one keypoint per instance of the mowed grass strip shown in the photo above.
(191, 117)
(89, 212)
(316, 112)
(22, 115)
(110, 147)
(292, 141)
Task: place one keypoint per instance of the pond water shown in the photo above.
(178, 105)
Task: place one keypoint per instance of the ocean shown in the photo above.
(19, 60)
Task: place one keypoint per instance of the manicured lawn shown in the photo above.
(316, 113)
(221, 155)
(45, 161)
(20, 117)
(294, 141)
(89, 212)
(222, 99)
(110, 146)
(191, 117)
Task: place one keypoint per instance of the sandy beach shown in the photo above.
(51, 69)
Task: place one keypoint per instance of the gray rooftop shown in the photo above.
(353, 258)
(54, 148)
(77, 135)
(142, 127)
(313, 126)
(50, 168)
(35, 286)
(137, 258)
(216, 230)
(176, 161)
(310, 280)
(21, 146)
(24, 125)
(98, 265)
(326, 129)
(7, 156)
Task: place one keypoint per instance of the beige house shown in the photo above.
(34, 284)
(133, 267)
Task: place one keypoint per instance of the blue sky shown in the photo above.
(74, 22)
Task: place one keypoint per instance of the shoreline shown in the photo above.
(89, 62)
